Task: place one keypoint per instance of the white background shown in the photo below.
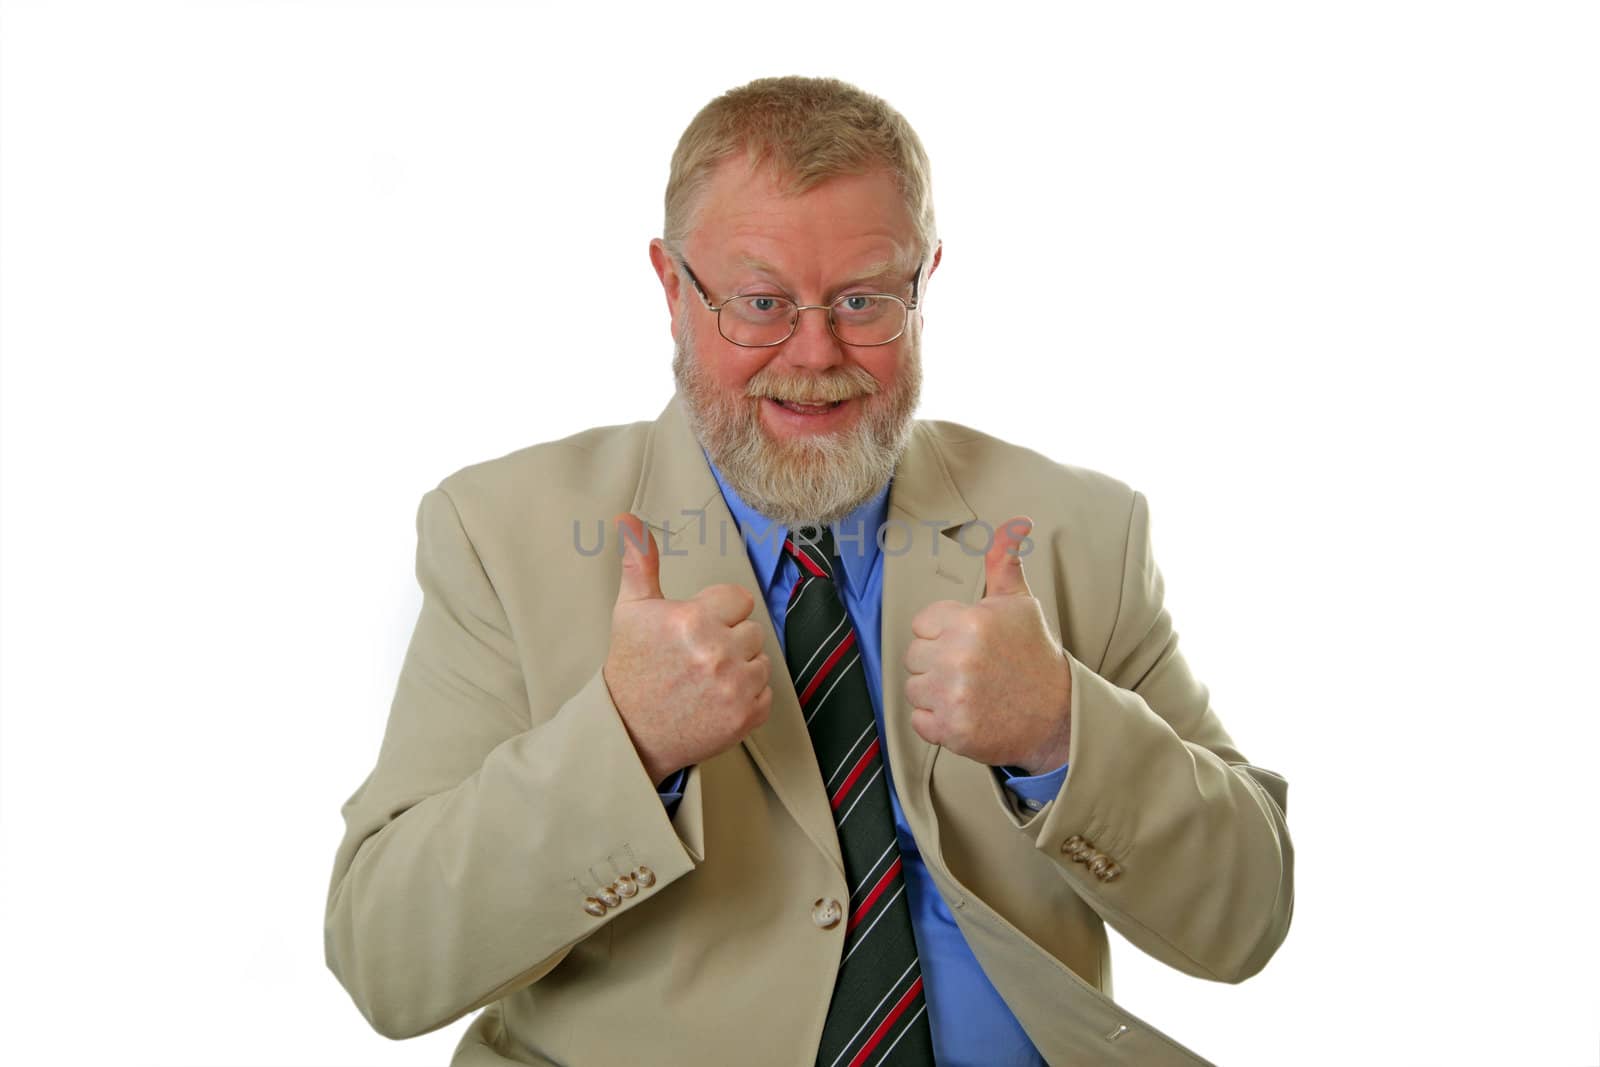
(1320, 280)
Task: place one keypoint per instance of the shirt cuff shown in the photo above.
(671, 790)
(1033, 791)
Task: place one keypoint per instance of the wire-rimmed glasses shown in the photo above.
(762, 320)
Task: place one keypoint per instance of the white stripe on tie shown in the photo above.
(885, 1057)
(802, 671)
(867, 878)
(811, 548)
(801, 595)
(861, 794)
(881, 913)
(873, 1012)
(828, 785)
(823, 699)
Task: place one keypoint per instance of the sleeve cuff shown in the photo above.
(671, 790)
(1033, 791)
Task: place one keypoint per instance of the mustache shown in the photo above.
(845, 384)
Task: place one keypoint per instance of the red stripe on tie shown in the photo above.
(855, 772)
(883, 1028)
(805, 561)
(828, 665)
(872, 897)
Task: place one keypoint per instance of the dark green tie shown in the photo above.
(878, 1014)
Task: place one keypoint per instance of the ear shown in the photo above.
(933, 265)
(672, 281)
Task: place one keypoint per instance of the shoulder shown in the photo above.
(589, 457)
(999, 479)
(595, 471)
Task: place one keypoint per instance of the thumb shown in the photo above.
(1002, 567)
(641, 560)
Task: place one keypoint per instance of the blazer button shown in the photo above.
(647, 877)
(627, 885)
(593, 906)
(1099, 865)
(1076, 847)
(610, 896)
(826, 914)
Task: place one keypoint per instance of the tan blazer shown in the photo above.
(507, 799)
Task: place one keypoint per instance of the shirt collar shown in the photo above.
(855, 535)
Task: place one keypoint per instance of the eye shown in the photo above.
(759, 308)
(856, 303)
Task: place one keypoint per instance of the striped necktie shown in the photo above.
(878, 1014)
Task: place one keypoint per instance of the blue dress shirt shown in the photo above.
(971, 1024)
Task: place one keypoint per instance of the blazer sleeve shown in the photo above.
(472, 848)
(1161, 826)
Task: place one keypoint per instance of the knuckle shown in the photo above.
(683, 622)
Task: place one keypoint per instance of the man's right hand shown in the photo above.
(689, 677)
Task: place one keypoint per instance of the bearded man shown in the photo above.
(858, 735)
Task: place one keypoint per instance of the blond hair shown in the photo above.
(807, 130)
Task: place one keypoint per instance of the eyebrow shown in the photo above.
(883, 270)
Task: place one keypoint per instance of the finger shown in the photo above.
(927, 726)
(758, 673)
(728, 604)
(937, 617)
(1002, 566)
(762, 706)
(922, 691)
(748, 640)
(641, 560)
(920, 656)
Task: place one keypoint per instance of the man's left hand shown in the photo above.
(988, 681)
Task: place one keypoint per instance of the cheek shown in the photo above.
(882, 365)
(729, 370)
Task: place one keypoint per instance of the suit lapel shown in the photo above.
(926, 512)
(709, 551)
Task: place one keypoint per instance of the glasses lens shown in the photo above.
(756, 320)
(865, 319)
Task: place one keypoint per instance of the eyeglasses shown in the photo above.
(864, 320)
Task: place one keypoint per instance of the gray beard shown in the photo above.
(811, 480)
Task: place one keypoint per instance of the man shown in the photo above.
(846, 744)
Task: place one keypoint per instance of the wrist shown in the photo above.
(1057, 746)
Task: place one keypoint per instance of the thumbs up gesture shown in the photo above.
(988, 681)
(688, 677)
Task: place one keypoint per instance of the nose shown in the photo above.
(812, 345)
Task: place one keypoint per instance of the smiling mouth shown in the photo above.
(806, 409)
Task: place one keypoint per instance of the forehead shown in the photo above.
(750, 220)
